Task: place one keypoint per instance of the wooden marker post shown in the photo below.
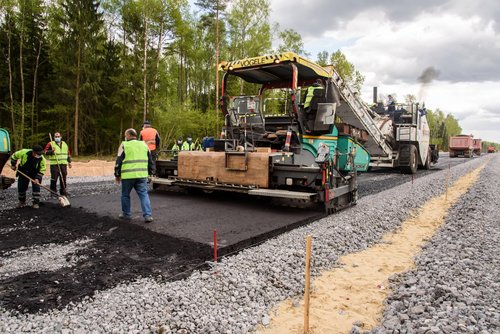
(447, 181)
(215, 246)
(307, 284)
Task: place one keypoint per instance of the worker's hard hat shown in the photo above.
(57, 134)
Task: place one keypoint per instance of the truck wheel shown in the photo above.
(427, 164)
(410, 155)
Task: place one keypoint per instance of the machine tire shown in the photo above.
(410, 155)
(427, 164)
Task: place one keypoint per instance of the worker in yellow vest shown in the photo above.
(134, 164)
(59, 157)
(318, 84)
(177, 147)
(151, 137)
(31, 164)
(188, 145)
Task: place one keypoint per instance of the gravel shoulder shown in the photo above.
(455, 287)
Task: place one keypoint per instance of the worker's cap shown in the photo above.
(37, 149)
(146, 122)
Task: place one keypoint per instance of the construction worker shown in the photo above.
(151, 137)
(188, 145)
(133, 165)
(177, 147)
(197, 145)
(59, 158)
(31, 163)
(391, 103)
(318, 84)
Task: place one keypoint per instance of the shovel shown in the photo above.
(63, 200)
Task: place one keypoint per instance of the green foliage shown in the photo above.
(291, 41)
(249, 32)
(323, 58)
(442, 127)
(92, 69)
(486, 144)
(347, 70)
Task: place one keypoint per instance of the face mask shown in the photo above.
(37, 156)
(179, 142)
(58, 139)
(189, 140)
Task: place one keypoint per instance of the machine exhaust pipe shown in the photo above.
(375, 95)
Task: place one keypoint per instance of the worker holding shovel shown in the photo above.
(31, 168)
(60, 158)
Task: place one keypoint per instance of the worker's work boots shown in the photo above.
(36, 206)
(124, 216)
(21, 205)
(148, 219)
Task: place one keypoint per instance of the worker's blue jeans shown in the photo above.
(141, 187)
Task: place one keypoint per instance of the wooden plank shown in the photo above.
(237, 162)
(203, 166)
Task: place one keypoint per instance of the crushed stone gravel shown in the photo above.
(48, 257)
(455, 287)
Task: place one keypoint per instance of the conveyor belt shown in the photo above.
(354, 111)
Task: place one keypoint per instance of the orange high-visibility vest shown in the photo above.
(148, 135)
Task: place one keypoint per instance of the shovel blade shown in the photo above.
(63, 201)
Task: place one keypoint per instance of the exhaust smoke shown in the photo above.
(429, 74)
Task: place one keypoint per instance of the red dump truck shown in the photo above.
(491, 149)
(461, 145)
(478, 143)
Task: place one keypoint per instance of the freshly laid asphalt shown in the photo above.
(239, 220)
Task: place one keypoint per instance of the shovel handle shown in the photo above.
(40, 184)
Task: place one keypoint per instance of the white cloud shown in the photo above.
(461, 49)
(391, 43)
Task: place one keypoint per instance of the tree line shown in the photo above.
(90, 69)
